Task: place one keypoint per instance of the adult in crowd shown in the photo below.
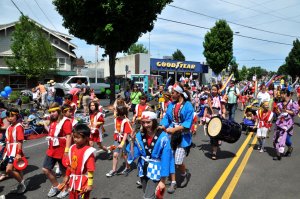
(40, 87)
(263, 95)
(3, 126)
(51, 91)
(135, 98)
(232, 93)
(177, 122)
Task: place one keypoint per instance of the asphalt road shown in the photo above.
(261, 177)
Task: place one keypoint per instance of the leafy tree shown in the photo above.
(218, 46)
(136, 48)
(243, 74)
(33, 55)
(112, 24)
(293, 60)
(234, 69)
(283, 70)
(258, 71)
(178, 55)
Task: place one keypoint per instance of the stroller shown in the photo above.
(248, 124)
(32, 126)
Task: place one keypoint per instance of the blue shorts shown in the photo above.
(117, 150)
(10, 159)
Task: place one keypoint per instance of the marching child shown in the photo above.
(264, 123)
(14, 140)
(122, 130)
(96, 125)
(81, 164)
(139, 108)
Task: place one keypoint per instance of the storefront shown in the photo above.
(177, 69)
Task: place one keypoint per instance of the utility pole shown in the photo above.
(96, 64)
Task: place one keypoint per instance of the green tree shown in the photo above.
(33, 55)
(258, 71)
(293, 60)
(243, 74)
(178, 55)
(112, 24)
(234, 69)
(218, 46)
(136, 48)
(283, 70)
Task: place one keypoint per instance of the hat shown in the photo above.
(21, 164)
(51, 82)
(31, 118)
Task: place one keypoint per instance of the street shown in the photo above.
(232, 175)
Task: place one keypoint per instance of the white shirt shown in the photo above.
(262, 97)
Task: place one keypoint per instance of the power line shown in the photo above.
(239, 35)
(245, 26)
(17, 7)
(45, 15)
(259, 11)
(254, 60)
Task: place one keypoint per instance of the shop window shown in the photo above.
(61, 62)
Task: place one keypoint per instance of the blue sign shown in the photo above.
(180, 66)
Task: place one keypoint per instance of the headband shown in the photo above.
(53, 109)
(179, 90)
(10, 114)
(66, 109)
(149, 115)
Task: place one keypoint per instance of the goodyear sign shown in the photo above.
(174, 65)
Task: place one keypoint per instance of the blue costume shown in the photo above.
(186, 115)
(154, 160)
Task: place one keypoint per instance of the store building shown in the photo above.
(177, 69)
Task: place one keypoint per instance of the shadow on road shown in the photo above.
(271, 151)
(35, 182)
(15, 196)
(206, 148)
(30, 168)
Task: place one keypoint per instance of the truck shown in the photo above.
(64, 87)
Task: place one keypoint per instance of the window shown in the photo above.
(61, 62)
(56, 42)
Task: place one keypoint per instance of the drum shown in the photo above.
(225, 130)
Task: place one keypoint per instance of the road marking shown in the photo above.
(238, 173)
(229, 168)
(43, 142)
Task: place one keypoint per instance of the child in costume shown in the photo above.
(264, 123)
(167, 97)
(122, 130)
(81, 164)
(96, 125)
(152, 147)
(14, 142)
(139, 108)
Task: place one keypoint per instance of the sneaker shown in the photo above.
(139, 184)
(52, 192)
(2, 197)
(21, 188)
(261, 151)
(277, 158)
(126, 171)
(186, 179)
(63, 194)
(213, 156)
(258, 148)
(171, 188)
(111, 173)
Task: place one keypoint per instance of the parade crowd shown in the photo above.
(157, 135)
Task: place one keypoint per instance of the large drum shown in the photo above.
(225, 130)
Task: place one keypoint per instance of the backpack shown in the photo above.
(228, 90)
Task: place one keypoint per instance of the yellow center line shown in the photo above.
(239, 171)
(229, 168)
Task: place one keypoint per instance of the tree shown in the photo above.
(283, 70)
(33, 55)
(218, 46)
(258, 71)
(136, 48)
(293, 60)
(234, 69)
(243, 74)
(178, 55)
(112, 24)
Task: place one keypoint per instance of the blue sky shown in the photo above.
(272, 15)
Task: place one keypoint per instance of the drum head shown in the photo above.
(214, 127)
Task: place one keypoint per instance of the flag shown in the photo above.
(226, 83)
(270, 81)
(245, 88)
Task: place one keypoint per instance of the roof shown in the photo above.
(57, 34)
(63, 50)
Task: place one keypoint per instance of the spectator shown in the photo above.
(51, 91)
(86, 90)
(40, 87)
(135, 98)
(233, 93)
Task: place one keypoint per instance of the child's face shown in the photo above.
(92, 107)
(68, 113)
(79, 139)
(249, 114)
(143, 101)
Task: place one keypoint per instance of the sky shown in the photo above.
(274, 25)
